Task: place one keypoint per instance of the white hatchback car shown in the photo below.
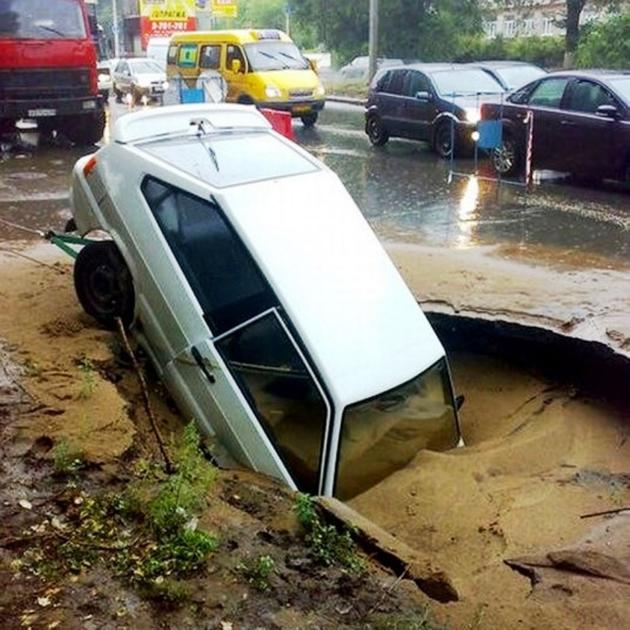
(262, 296)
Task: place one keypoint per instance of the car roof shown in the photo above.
(500, 64)
(596, 73)
(429, 68)
(178, 120)
(240, 36)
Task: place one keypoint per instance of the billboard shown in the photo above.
(224, 8)
(162, 18)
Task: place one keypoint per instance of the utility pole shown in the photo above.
(287, 18)
(373, 38)
(115, 28)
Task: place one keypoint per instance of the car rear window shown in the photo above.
(41, 19)
(230, 159)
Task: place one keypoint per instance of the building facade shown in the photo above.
(527, 18)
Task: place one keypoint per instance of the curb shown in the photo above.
(348, 100)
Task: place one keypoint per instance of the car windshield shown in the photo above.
(384, 434)
(41, 19)
(145, 67)
(518, 76)
(622, 86)
(230, 159)
(274, 55)
(462, 82)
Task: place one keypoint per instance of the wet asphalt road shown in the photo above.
(403, 189)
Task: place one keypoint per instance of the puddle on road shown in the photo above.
(546, 420)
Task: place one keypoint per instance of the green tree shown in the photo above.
(425, 29)
(606, 44)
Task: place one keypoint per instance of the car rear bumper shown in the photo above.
(37, 108)
(296, 108)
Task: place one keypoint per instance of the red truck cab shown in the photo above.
(48, 69)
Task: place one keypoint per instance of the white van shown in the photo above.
(267, 304)
(157, 49)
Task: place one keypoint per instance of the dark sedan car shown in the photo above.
(437, 103)
(512, 75)
(581, 125)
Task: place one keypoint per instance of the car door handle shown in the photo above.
(202, 364)
(567, 123)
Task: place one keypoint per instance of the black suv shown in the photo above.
(421, 101)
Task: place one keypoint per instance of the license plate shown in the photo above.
(302, 109)
(41, 113)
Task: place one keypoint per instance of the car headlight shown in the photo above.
(272, 92)
(319, 90)
(473, 114)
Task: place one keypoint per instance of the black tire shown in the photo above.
(309, 120)
(84, 129)
(507, 158)
(443, 140)
(376, 131)
(103, 284)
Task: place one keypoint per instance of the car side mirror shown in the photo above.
(607, 111)
(424, 97)
(236, 66)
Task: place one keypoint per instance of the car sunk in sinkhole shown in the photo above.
(266, 303)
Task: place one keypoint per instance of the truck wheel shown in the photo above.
(506, 158)
(84, 129)
(103, 284)
(376, 131)
(310, 119)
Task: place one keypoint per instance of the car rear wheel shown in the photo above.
(310, 119)
(443, 140)
(103, 284)
(506, 158)
(376, 131)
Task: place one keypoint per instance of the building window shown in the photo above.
(547, 26)
(509, 29)
(529, 27)
(491, 29)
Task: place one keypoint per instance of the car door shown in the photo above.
(588, 139)
(245, 375)
(545, 101)
(122, 76)
(391, 101)
(418, 106)
(237, 81)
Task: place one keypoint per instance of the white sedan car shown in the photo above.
(262, 296)
(141, 78)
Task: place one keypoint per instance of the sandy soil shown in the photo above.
(537, 457)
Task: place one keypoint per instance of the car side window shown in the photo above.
(396, 82)
(223, 276)
(234, 52)
(383, 82)
(414, 83)
(171, 56)
(210, 57)
(549, 92)
(586, 96)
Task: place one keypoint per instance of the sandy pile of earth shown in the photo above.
(537, 457)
